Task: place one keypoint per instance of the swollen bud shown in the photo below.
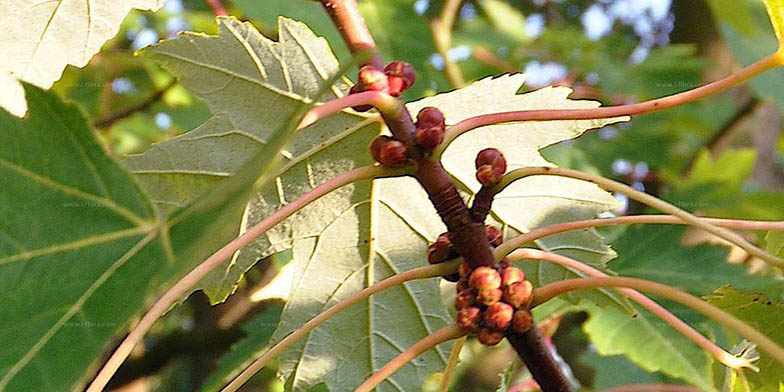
(494, 235)
(519, 294)
(490, 166)
(430, 128)
(464, 299)
(392, 153)
(468, 319)
(498, 316)
(430, 117)
(489, 296)
(464, 270)
(401, 76)
(371, 79)
(512, 275)
(485, 278)
(490, 337)
(522, 321)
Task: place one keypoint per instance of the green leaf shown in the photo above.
(81, 247)
(505, 18)
(258, 331)
(259, 93)
(42, 39)
(698, 269)
(650, 343)
(774, 242)
(776, 15)
(764, 315)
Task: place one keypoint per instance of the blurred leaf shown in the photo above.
(65, 33)
(650, 343)
(505, 18)
(697, 269)
(258, 331)
(616, 370)
(754, 42)
(765, 316)
(774, 243)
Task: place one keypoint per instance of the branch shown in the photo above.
(547, 292)
(517, 242)
(717, 352)
(345, 14)
(646, 199)
(143, 105)
(655, 105)
(441, 29)
(451, 365)
(171, 296)
(429, 271)
(442, 335)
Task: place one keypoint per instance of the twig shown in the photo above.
(655, 105)
(717, 352)
(451, 364)
(441, 29)
(646, 199)
(143, 105)
(197, 274)
(441, 336)
(513, 243)
(532, 347)
(653, 388)
(548, 292)
(492, 60)
(351, 25)
(217, 7)
(416, 273)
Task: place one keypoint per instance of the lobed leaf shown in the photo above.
(39, 39)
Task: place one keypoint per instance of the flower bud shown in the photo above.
(464, 270)
(430, 117)
(512, 275)
(519, 294)
(522, 321)
(468, 319)
(485, 278)
(463, 285)
(429, 138)
(401, 76)
(371, 79)
(490, 337)
(494, 235)
(490, 166)
(498, 316)
(489, 296)
(392, 153)
(464, 299)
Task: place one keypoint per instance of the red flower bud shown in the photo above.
(522, 321)
(489, 296)
(371, 79)
(490, 166)
(464, 299)
(401, 76)
(430, 117)
(392, 153)
(490, 337)
(485, 278)
(429, 138)
(468, 319)
(494, 235)
(463, 285)
(512, 275)
(464, 270)
(498, 316)
(519, 294)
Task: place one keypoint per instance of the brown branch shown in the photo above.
(351, 25)
(143, 105)
(536, 355)
(483, 202)
(467, 235)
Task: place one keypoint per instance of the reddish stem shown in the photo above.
(217, 7)
(351, 25)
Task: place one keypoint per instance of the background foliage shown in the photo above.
(720, 157)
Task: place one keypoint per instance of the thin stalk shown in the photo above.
(345, 14)
(429, 271)
(655, 105)
(646, 199)
(451, 365)
(679, 325)
(441, 336)
(441, 29)
(533, 235)
(373, 98)
(176, 292)
(548, 292)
